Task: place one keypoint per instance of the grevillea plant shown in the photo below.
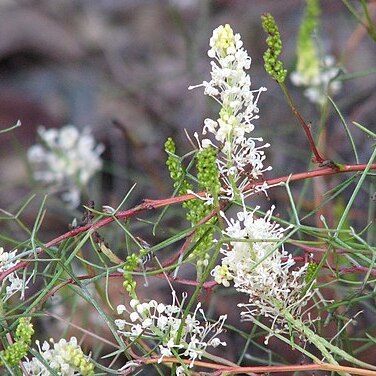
(272, 277)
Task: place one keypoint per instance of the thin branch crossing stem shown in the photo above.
(149, 204)
(306, 127)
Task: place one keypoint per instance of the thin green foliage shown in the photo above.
(148, 287)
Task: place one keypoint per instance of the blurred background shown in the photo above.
(123, 67)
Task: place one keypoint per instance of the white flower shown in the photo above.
(66, 358)
(120, 309)
(240, 159)
(321, 85)
(165, 351)
(222, 274)
(134, 316)
(65, 160)
(230, 86)
(180, 371)
(35, 367)
(162, 322)
(256, 266)
(15, 284)
(7, 259)
(11, 282)
(120, 324)
(245, 164)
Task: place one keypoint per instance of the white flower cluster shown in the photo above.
(258, 267)
(65, 160)
(65, 358)
(12, 282)
(252, 261)
(161, 322)
(230, 85)
(240, 159)
(245, 164)
(321, 84)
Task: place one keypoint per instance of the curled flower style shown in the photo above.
(162, 323)
(258, 267)
(65, 160)
(245, 164)
(65, 357)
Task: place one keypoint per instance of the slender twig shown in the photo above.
(265, 369)
(188, 240)
(148, 204)
(341, 269)
(356, 269)
(306, 127)
(88, 332)
(316, 173)
(206, 286)
(310, 249)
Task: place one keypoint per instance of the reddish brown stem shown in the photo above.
(306, 127)
(228, 370)
(154, 204)
(207, 285)
(315, 173)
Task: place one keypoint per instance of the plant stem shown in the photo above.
(307, 128)
(326, 348)
(155, 204)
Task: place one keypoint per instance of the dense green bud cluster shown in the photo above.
(311, 272)
(272, 65)
(177, 172)
(208, 175)
(310, 20)
(131, 264)
(208, 180)
(24, 330)
(13, 354)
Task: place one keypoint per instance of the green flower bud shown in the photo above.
(208, 175)
(131, 263)
(177, 172)
(273, 66)
(311, 272)
(13, 354)
(208, 180)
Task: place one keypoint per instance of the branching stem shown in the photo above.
(306, 127)
(148, 204)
